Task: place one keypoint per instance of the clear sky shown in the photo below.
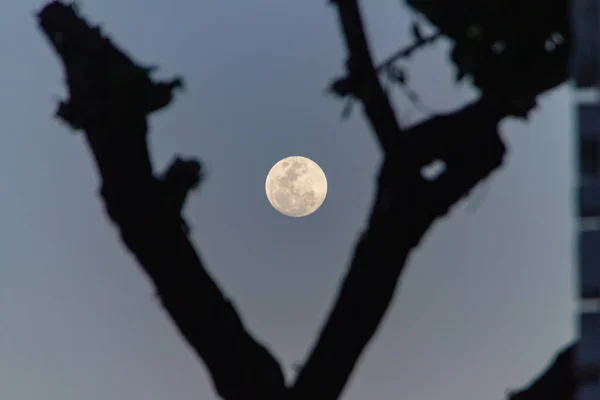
(485, 303)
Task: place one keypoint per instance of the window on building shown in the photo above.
(589, 162)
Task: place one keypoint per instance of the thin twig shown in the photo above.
(406, 51)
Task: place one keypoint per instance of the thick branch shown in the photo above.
(238, 364)
(110, 97)
(405, 207)
(363, 80)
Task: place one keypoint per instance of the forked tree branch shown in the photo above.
(110, 97)
(405, 207)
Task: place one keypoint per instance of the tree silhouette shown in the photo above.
(556, 382)
(110, 97)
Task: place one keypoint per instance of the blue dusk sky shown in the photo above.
(485, 303)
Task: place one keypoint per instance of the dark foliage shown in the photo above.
(512, 48)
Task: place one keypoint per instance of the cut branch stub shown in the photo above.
(104, 83)
(342, 87)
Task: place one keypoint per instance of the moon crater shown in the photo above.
(296, 186)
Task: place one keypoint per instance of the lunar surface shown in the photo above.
(296, 186)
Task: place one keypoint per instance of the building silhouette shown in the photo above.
(585, 68)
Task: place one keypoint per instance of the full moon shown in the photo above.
(296, 186)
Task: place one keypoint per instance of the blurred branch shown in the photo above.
(110, 98)
(558, 381)
(407, 204)
(405, 207)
